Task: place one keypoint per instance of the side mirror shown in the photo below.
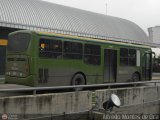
(113, 101)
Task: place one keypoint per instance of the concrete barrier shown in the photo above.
(47, 104)
(136, 100)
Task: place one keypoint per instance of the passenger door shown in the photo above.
(110, 65)
(147, 68)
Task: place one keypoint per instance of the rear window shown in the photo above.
(18, 42)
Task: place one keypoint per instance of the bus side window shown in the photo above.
(124, 56)
(49, 48)
(72, 50)
(132, 57)
(92, 54)
(128, 57)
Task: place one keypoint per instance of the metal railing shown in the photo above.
(76, 87)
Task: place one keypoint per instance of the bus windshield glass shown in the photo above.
(18, 42)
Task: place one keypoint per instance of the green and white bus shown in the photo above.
(49, 59)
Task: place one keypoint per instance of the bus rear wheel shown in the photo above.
(78, 79)
(135, 77)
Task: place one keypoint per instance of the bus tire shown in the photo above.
(135, 77)
(78, 79)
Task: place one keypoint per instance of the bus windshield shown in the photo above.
(18, 42)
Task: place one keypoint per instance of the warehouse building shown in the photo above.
(44, 16)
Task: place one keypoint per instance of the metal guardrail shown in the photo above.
(109, 85)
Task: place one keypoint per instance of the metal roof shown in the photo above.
(44, 16)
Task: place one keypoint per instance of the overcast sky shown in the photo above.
(145, 13)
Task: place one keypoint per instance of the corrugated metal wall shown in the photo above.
(44, 16)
